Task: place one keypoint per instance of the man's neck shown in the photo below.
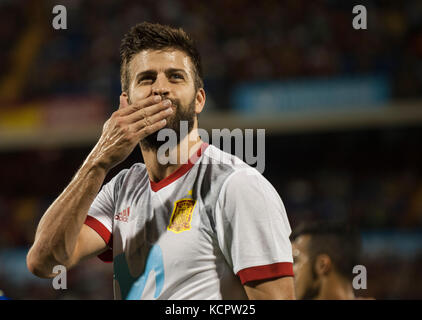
(335, 287)
(163, 162)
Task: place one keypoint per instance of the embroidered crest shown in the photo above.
(182, 215)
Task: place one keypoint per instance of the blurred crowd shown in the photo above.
(239, 41)
(371, 178)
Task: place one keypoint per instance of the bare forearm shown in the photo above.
(59, 228)
(58, 231)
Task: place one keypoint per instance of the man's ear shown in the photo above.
(323, 265)
(200, 100)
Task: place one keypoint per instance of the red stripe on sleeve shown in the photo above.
(106, 256)
(275, 270)
(99, 228)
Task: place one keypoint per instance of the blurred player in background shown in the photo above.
(208, 230)
(324, 255)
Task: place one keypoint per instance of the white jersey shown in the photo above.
(200, 233)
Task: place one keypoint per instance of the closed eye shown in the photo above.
(146, 78)
(177, 76)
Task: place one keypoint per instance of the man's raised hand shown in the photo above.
(127, 126)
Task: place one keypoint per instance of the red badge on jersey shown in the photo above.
(182, 215)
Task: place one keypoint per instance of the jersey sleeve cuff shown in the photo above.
(97, 226)
(264, 272)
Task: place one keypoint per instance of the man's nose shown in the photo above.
(161, 86)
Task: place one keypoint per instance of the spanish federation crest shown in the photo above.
(182, 215)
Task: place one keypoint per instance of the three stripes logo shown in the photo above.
(123, 215)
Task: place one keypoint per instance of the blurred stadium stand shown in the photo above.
(342, 110)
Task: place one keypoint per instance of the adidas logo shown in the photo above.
(123, 216)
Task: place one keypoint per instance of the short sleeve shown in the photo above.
(252, 228)
(101, 213)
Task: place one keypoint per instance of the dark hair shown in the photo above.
(145, 35)
(339, 240)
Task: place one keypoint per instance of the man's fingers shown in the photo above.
(149, 111)
(146, 131)
(126, 108)
(148, 101)
(151, 120)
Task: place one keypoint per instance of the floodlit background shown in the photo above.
(342, 109)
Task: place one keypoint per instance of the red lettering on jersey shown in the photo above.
(123, 215)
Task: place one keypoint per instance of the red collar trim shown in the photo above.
(155, 186)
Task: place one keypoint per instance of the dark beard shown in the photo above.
(312, 291)
(173, 122)
(310, 294)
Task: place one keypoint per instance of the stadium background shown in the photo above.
(342, 109)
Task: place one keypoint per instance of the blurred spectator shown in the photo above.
(372, 179)
(325, 254)
(239, 41)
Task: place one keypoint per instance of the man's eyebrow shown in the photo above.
(146, 73)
